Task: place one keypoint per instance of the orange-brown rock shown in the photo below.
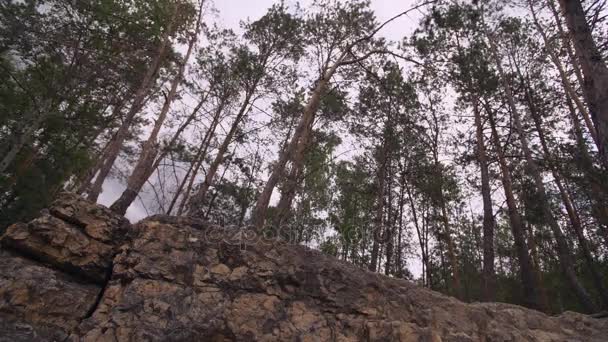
(75, 236)
(175, 282)
(38, 303)
(178, 279)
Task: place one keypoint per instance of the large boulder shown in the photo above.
(53, 269)
(74, 235)
(38, 303)
(81, 273)
(180, 281)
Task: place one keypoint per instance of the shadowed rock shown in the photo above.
(38, 303)
(178, 279)
(178, 283)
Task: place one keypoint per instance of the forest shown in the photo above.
(469, 156)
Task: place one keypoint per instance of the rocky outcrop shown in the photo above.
(176, 279)
(75, 236)
(39, 303)
(53, 269)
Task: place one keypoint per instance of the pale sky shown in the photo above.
(231, 12)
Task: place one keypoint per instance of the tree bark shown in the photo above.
(261, 207)
(390, 226)
(422, 238)
(201, 156)
(489, 275)
(378, 232)
(575, 220)
(564, 77)
(199, 197)
(136, 105)
(593, 67)
(565, 255)
(146, 162)
(530, 283)
(294, 179)
(399, 259)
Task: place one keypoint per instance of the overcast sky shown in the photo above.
(230, 13)
(233, 11)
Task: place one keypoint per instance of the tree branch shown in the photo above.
(377, 29)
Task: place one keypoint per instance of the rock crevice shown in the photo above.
(176, 279)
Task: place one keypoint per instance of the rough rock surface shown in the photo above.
(52, 301)
(179, 280)
(74, 236)
(53, 269)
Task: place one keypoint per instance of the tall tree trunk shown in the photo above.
(308, 115)
(22, 139)
(536, 262)
(565, 256)
(399, 261)
(199, 197)
(200, 158)
(593, 67)
(173, 141)
(390, 224)
(444, 235)
(294, 179)
(530, 283)
(489, 275)
(562, 73)
(456, 286)
(136, 105)
(178, 133)
(575, 220)
(84, 181)
(422, 238)
(378, 231)
(149, 152)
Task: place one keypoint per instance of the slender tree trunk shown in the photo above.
(378, 232)
(201, 156)
(21, 140)
(536, 262)
(456, 286)
(294, 179)
(145, 165)
(176, 136)
(261, 207)
(181, 185)
(562, 73)
(570, 210)
(136, 105)
(445, 234)
(530, 283)
(112, 154)
(422, 238)
(292, 183)
(593, 67)
(489, 275)
(216, 193)
(389, 231)
(399, 261)
(84, 183)
(565, 255)
(199, 197)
